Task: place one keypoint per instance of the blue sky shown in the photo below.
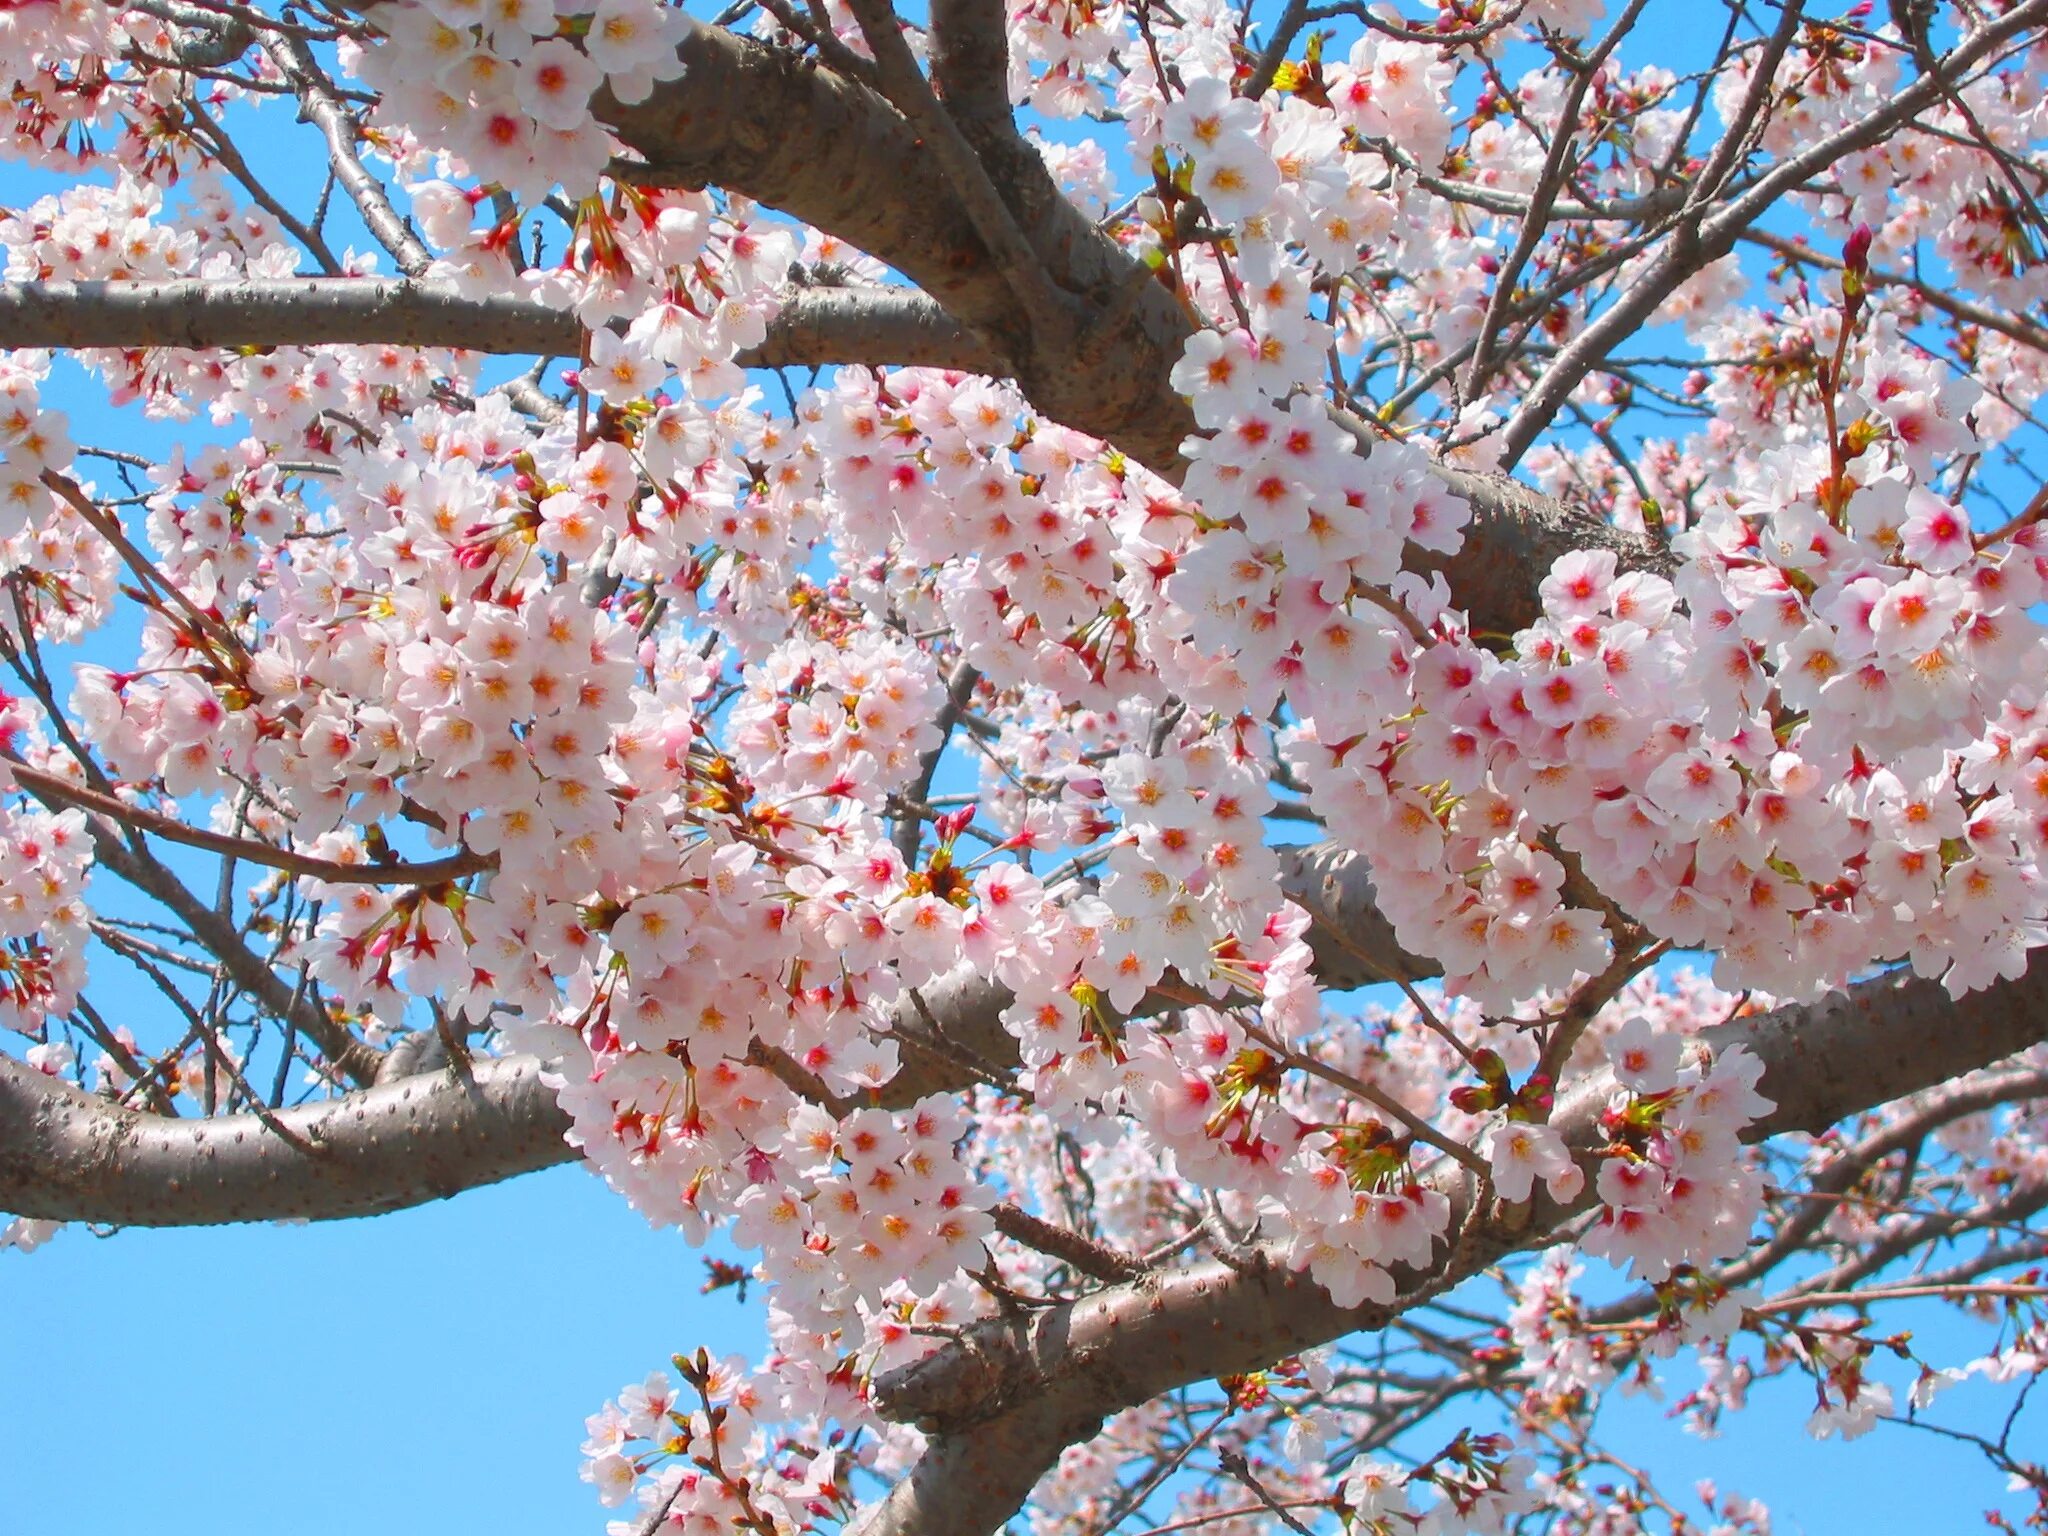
(423, 1372)
(428, 1372)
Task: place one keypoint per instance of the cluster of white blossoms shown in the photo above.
(507, 88)
(657, 690)
(45, 863)
(63, 572)
(1703, 750)
(33, 441)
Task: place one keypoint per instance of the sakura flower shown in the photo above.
(1235, 179)
(652, 932)
(1520, 1152)
(619, 371)
(1852, 1409)
(1936, 537)
(1375, 1489)
(1693, 786)
(1913, 614)
(634, 42)
(1629, 1183)
(1645, 1058)
(1207, 114)
(1579, 583)
(1215, 373)
(555, 83)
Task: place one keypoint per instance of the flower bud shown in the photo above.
(1855, 266)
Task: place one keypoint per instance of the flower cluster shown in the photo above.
(1479, 1486)
(33, 441)
(1672, 1184)
(709, 1449)
(45, 861)
(628, 727)
(57, 55)
(508, 88)
(137, 231)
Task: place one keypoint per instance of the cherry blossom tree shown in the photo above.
(1270, 740)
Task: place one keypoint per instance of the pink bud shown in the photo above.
(1856, 249)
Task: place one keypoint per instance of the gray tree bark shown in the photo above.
(816, 326)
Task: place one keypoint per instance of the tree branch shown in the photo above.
(1002, 1404)
(1708, 230)
(67, 1156)
(1515, 534)
(816, 326)
(301, 1008)
(1557, 163)
(1042, 304)
(52, 789)
(971, 62)
(1959, 309)
(321, 106)
(836, 155)
(170, 1178)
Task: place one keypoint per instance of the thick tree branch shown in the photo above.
(886, 327)
(1005, 1402)
(175, 1175)
(1515, 534)
(1043, 307)
(971, 62)
(835, 154)
(67, 1156)
(1002, 1410)
(816, 326)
